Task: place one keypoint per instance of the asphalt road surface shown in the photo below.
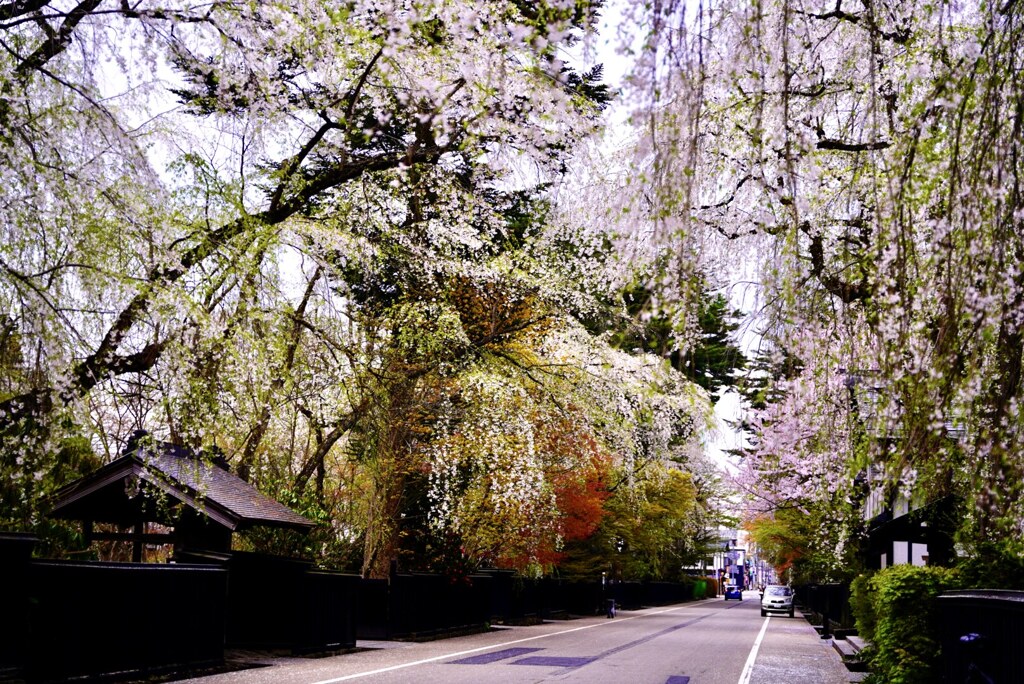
(706, 642)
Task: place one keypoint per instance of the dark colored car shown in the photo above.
(733, 592)
(777, 598)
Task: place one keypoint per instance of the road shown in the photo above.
(707, 642)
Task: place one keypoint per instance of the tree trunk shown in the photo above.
(383, 527)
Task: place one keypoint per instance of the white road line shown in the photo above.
(748, 669)
(486, 648)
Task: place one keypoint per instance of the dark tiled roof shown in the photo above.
(219, 487)
(196, 481)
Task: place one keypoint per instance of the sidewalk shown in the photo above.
(792, 652)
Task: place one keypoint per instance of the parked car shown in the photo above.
(777, 598)
(733, 591)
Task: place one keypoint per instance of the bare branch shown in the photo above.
(847, 292)
(843, 146)
(20, 8)
(59, 41)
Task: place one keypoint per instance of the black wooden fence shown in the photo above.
(63, 619)
(15, 557)
(91, 618)
(827, 604)
(284, 603)
(427, 605)
(982, 635)
(520, 600)
(422, 605)
(667, 593)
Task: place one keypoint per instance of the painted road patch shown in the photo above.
(555, 661)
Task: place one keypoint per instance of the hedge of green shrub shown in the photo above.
(895, 610)
(862, 607)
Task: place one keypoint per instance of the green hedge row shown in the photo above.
(895, 611)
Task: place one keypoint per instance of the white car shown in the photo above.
(777, 598)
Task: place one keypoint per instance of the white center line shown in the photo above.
(749, 667)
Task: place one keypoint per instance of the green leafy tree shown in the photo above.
(645, 534)
(712, 357)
